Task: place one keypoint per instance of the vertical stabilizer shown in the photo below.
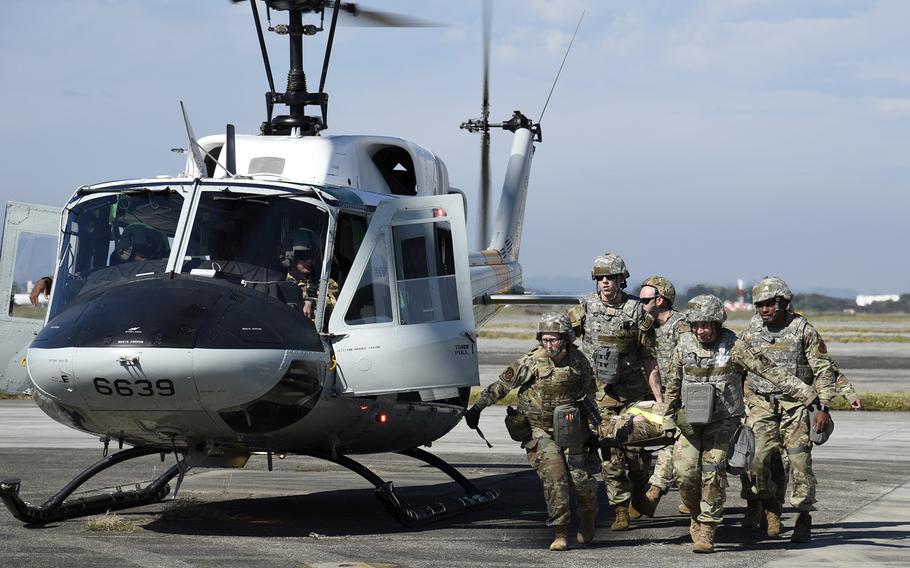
(510, 214)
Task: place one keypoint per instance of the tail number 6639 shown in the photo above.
(141, 387)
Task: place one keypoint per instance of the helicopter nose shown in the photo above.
(143, 342)
(180, 313)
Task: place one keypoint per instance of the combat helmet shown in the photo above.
(142, 239)
(771, 287)
(663, 286)
(609, 264)
(705, 307)
(299, 240)
(555, 322)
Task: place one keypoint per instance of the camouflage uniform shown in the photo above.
(779, 420)
(309, 287)
(700, 455)
(667, 335)
(629, 330)
(543, 386)
(844, 387)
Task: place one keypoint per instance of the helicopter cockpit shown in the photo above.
(115, 238)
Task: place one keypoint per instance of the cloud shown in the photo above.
(898, 108)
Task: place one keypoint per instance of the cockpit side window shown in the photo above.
(348, 237)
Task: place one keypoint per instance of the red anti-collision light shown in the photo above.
(364, 407)
(439, 212)
(382, 418)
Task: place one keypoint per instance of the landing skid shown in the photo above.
(417, 516)
(58, 507)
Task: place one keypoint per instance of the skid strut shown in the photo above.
(57, 507)
(416, 516)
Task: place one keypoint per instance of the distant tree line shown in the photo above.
(807, 302)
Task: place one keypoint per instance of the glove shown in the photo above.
(472, 417)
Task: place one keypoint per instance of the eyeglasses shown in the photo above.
(646, 301)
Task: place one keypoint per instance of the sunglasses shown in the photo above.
(606, 277)
(648, 300)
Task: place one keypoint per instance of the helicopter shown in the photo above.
(290, 292)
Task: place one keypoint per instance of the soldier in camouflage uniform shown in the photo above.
(618, 339)
(777, 419)
(552, 374)
(707, 371)
(657, 296)
(300, 255)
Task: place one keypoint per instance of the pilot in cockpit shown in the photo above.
(139, 242)
(300, 255)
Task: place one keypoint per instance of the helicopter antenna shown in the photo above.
(194, 146)
(265, 52)
(566, 56)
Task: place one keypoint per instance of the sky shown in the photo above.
(702, 140)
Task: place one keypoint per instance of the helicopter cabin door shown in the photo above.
(404, 320)
(27, 253)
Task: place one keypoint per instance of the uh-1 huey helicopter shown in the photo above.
(173, 327)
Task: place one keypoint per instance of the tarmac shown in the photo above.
(312, 513)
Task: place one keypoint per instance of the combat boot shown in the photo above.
(621, 522)
(694, 529)
(753, 517)
(705, 542)
(683, 509)
(773, 511)
(802, 531)
(561, 538)
(586, 526)
(634, 513)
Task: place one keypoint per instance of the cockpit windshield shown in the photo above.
(257, 239)
(115, 238)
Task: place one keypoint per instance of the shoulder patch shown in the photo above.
(822, 348)
(507, 375)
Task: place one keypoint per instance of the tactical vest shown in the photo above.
(667, 335)
(714, 364)
(549, 386)
(617, 327)
(784, 347)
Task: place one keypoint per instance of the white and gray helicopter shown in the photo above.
(173, 327)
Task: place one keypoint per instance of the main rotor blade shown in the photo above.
(485, 124)
(357, 16)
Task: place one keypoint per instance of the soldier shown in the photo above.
(705, 380)
(657, 296)
(300, 255)
(777, 419)
(551, 378)
(618, 339)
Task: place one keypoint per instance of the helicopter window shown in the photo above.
(372, 302)
(34, 259)
(113, 239)
(397, 169)
(348, 237)
(252, 239)
(425, 272)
